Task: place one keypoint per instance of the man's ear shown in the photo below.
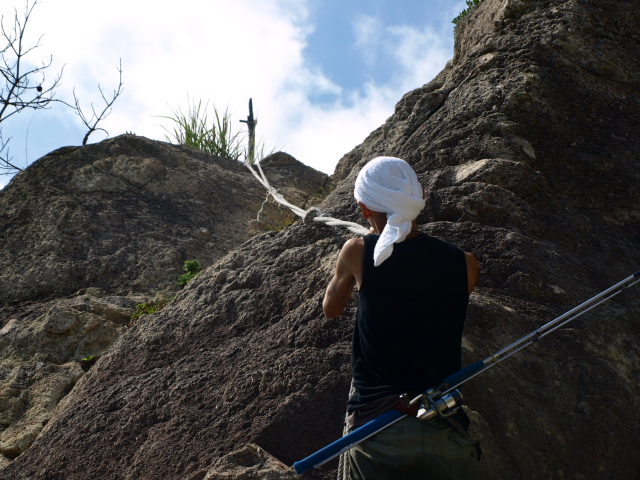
(365, 211)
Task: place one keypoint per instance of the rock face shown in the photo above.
(112, 222)
(297, 182)
(41, 348)
(124, 214)
(249, 463)
(527, 146)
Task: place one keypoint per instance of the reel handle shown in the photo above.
(443, 407)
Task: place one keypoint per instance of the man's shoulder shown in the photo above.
(351, 255)
(353, 246)
(441, 248)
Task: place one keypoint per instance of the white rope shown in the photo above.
(343, 464)
(313, 214)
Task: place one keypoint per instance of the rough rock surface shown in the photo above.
(124, 214)
(299, 184)
(41, 348)
(527, 145)
(117, 219)
(249, 463)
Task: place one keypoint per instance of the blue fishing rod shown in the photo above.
(445, 400)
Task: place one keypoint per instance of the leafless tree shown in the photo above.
(24, 88)
(27, 88)
(92, 123)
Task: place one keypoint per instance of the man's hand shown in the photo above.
(348, 274)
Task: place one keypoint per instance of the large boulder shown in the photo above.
(527, 145)
(89, 233)
(124, 214)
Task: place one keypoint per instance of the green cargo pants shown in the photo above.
(411, 449)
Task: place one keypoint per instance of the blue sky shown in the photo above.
(322, 73)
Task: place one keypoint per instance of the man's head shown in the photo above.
(389, 185)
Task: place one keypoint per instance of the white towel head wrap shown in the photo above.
(389, 185)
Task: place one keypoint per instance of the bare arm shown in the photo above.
(347, 275)
(472, 271)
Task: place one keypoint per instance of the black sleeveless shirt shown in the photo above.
(411, 313)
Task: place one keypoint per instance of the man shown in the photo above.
(413, 295)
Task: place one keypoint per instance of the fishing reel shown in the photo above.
(433, 404)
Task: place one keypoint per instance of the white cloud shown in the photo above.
(226, 52)
(368, 32)
(420, 53)
(414, 55)
(221, 51)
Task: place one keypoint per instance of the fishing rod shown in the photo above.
(445, 400)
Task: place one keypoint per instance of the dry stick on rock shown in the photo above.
(92, 123)
(18, 92)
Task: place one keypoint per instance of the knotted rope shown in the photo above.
(308, 216)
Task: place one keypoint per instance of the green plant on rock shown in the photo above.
(192, 267)
(143, 309)
(196, 129)
(470, 5)
(149, 308)
(323, 192)
(285, 221)
(87, 362)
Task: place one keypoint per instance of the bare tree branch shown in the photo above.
(29, 88)
(20, 91)
(5, 161)
(92, 123)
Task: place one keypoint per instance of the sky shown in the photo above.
(322, 74)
